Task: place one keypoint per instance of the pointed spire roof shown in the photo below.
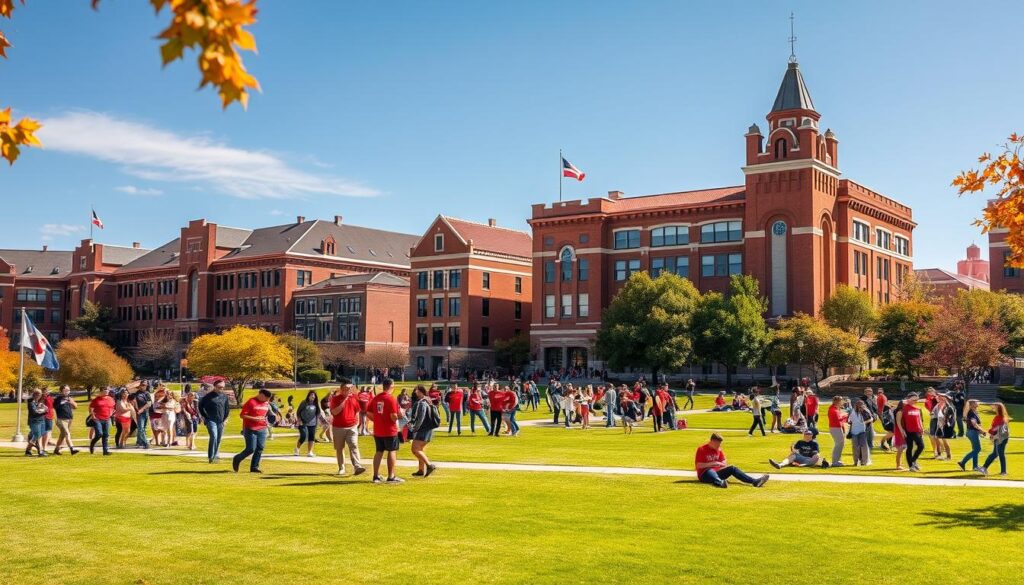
(793, 94)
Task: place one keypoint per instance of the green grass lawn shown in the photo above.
(133, 519)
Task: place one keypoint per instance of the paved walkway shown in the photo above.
(597, 470)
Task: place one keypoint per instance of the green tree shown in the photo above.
(900, 338)
(512, 353)
(307, 351)
(1000, 309)
(961, 342)
(96, 321)
(647, 324)
(850, 310)
(730, 328)
(240, 354)
(824, 346)
(89, 363)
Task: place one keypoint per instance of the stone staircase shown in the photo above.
(984, 392)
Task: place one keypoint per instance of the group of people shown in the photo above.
(631, 404)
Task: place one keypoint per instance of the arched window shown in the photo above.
(193, 295)
(780, 148)
(566, 261)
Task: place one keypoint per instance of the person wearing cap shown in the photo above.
(213, 410)
(803, 453)
(713, 468)
(346, 412)
(811, 410)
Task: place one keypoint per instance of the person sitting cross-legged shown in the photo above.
(712, 467)
(803, 453)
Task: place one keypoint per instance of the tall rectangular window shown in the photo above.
(519, 284)
(549, 306)
(486, 281)
(439, 243)
(438, 279)
(627, 239)
(1009, 271)
(421, 336)
(454, 306)
(583, 305)
(421, 280)
(566, 306)
(517, 310)
(485, 308)
(549, 271)
(438, 307)
(582, 269)
(437, 336)
(453, 336)
(421, 307)
(454, 279)
(485, 336)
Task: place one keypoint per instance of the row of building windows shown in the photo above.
(247, 307)
(710, 233)
(38, 316)
(582, 306)
(165, 287)
(455, 307)
(325, 305)
(327, 331)
(710, 265)
(582, 268)
(435, 336)
(452, 280)
(36, 295)
(249, 280)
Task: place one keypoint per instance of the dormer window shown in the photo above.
(327, 246)
(781, 149)
(29, 269)
(81, 263)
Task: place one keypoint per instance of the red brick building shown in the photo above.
(972, 273)
(209, 278)
(471, 285)
(1001, 276)
(795, 224)
(358, 310)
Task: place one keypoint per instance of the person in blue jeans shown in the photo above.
(712, 467)
(143, 401)
(999, 431)
(254, 430)
(974, 434)
(609, 406)
(213, 410)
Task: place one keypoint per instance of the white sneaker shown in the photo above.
(310, 454)
(341, 473)
(296, 452)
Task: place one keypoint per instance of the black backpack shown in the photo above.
(433, 418)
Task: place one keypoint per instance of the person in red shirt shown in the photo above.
(908, 421)
(345, 410)
(50, 415)
(101, 409)
(837, 428)
(658, 408)
(385, 412)
(720, 404)
(476, 410)
(497, 399)
(254, 430)
(713, 468)
(1000, 437)
(880, 400)
(811, 410)
(454, 402)
(364, 397)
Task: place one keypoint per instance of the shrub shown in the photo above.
(1011, 394)
(314, 376)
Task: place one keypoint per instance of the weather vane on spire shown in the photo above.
(792, 40)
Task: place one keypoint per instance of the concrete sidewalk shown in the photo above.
(598, 470)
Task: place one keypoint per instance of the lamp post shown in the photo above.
(449, 366)
(800, 360)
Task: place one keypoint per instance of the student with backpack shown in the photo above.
(425, 419)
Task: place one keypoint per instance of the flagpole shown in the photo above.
(93, 211)
(18, 437)
(561, 167)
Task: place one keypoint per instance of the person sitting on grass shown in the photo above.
(720, 405)
(713, 468)
(739, 402)
(795, 424)
(803, 453)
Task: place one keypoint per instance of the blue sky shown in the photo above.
(389, 113)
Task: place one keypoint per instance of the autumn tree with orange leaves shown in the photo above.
(214, 28)
(1005, 174)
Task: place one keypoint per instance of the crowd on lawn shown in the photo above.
(349, 412)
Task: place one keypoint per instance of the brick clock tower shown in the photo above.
(792, 181)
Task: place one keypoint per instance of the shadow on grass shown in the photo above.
(1004, 517)
(323, 482)
(190, 472)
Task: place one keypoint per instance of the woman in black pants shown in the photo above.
(756, 409)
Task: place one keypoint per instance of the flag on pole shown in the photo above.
(96, 221)
(568, 170)
(32, 339)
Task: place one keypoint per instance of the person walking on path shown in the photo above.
(911, 426)
(837, 428)
(496, 398)
(385, 412)
(691, 388)
(999, 432)
(254, 416)
(425, 418)
(756, 404)
(959, 399)
(143, 402)
(945, 426)
(190, 416)
(454, 400)
(213, 411)
(974, 434)
(776, 411)
(712, 467)
(364, 397)
(475, 401)
(48, 419)
(534, 395)
(510, 411)
(308, 415)
(36, 424)
(345, 412)
(101, 409)
(869, 401)
(860, 420)
(64, 407)
(123, 414)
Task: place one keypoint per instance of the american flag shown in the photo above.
(568, 170)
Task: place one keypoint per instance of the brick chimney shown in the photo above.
(492, 222)
(615, 195)
(299, 219)
(136, 245)
(337, 220)
(45, 247)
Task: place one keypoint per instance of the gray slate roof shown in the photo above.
(793, 94)
(48, 264)
(351, 279)
(351, 242)
(121, 255)
(164, 256)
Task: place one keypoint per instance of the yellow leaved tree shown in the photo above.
(1004, 173)
(214, 28)
(89, 363)
(240, 354)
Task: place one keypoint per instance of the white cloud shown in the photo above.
(51, 230)
(159, 155)
(276, 212)
(133, 190)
